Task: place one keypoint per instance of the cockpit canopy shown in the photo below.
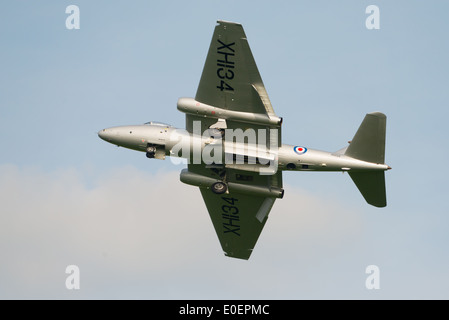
(155, 123)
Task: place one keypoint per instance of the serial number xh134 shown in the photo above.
(232, 143)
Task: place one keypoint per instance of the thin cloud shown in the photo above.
(135, 234)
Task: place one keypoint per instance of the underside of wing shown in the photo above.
(230, 78)
(235, 219)
(231, 92)
(238, 215)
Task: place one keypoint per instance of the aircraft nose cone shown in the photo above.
(104, 134)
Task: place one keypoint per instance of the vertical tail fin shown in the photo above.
(368, 145)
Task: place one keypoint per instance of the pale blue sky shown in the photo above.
(68, 197)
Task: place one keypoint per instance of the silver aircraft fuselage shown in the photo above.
(168, 139)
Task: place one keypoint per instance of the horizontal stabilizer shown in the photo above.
(372, 186)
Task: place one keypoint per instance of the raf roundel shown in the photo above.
(300, 150)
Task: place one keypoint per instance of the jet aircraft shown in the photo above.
(232, 143)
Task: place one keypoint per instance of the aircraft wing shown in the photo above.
(230, 77)
(239, 216)
(231, 81)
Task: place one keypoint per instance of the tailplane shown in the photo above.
(371, 185)
(368, 145)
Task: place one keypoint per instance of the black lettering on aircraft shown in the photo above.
(224, 86)
(225, 64)
(242, 177)
(229, 74)
(230, 209)
(230, 216)
(234, 231)
(224, 45)
(230, 200)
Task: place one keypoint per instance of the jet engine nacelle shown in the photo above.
(191, 106)
(202, 181)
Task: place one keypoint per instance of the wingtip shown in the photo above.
(228, 22)
(241, 255)
(378, 114)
